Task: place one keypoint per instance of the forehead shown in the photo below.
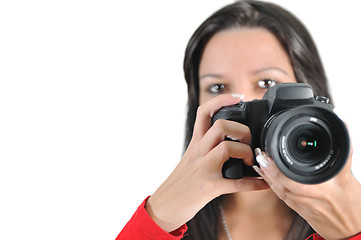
(245, 46)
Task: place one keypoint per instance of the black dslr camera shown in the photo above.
(298, 130)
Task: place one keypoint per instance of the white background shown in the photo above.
(92, 104)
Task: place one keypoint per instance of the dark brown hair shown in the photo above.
(304, 58)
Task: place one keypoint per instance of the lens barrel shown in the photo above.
(309, 144)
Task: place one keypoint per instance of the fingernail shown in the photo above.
(233, 138)
(261, 159)
(239, 96)
(257, 151)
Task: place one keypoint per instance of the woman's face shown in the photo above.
(244, 61)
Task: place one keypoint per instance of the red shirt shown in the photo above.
(141, 226)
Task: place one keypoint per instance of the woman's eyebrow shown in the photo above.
(270, 69)
(212, 75)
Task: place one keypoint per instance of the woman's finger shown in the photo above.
(229, 149)
(206, 111)
(242, 185)
(221, 130)
(280, 184)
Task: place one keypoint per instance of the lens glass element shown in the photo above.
(309, 143)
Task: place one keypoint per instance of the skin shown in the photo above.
(242, 60)
(247, 61)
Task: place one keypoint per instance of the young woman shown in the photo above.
(239, 52)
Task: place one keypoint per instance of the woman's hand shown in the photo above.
(332, 208)
(198, 177)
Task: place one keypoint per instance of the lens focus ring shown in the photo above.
(309, 144)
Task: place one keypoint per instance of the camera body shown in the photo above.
(298, 130)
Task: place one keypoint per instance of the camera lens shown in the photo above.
(309, 144)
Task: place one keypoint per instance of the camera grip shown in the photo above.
(233, 168)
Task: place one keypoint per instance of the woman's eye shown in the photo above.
(267, 83)
(216, 88)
